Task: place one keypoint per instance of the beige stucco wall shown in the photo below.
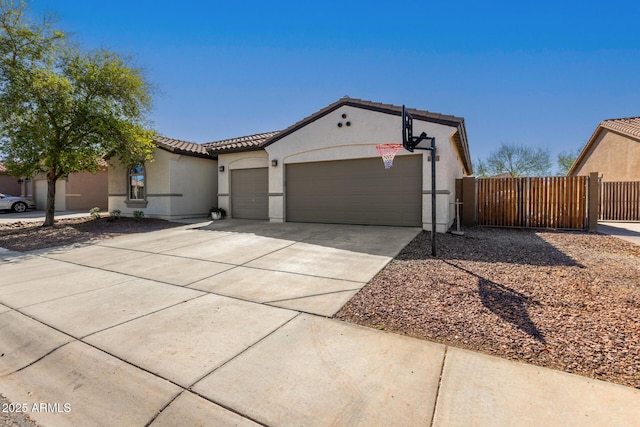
(231, 161)
(87, 190)
(323, 140)
(614, 156)
(9, 185)
(79, 191)
(177, 186)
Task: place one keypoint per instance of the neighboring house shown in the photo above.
(10, 184)
(613, 151)
(180, 182)
(324, 168)
(80, 191)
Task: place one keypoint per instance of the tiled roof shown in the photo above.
(181, 147)
(629, 126)
(243, 143)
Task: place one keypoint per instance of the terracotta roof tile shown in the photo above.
(181, 147)
(243, 143)
(629, 126)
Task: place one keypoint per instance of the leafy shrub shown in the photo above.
(115, 215)
(221, 211)
(95, 212)
(138, 214)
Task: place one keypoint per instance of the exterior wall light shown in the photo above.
(274, 163)
(221, 168)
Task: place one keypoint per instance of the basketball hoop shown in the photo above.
(388, 152)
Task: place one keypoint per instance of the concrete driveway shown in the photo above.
(227, 324)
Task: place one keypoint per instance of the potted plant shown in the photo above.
(217, 213)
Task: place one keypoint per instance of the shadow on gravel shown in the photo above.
(511, 246)
(508, 304)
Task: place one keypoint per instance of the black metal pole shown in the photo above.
(433, 197)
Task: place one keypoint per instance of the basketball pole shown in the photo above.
(433, 196)
(410, 143)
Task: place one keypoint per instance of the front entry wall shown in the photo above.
(359, 191)
(249, 199)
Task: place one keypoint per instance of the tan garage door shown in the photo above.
(249, 189)
(41, 189)
(356, 192)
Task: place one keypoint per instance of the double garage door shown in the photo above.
(358, 191)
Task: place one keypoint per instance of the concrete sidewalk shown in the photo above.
(229, 325)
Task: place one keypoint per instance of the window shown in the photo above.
(136, 183)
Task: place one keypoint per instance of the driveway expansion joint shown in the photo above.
(435, 403)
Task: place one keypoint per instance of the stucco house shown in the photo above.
(10, 184)
(180, 182)
(324, 168)
(77, 191)
(80, 191)
(613, 151)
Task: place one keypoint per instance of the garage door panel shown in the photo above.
(356, 192)
(249, 188)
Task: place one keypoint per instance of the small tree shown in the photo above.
(566, 160)
(63, 110)
(516, 161)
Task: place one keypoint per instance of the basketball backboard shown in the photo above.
(407, 130)
(410, 142)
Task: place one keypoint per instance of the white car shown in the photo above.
(15, 203)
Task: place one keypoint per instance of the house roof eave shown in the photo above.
(447, 120)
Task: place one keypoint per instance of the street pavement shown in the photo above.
(229, 323)
(629, 231)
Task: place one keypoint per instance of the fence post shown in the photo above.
(468, 201)
(594, 204)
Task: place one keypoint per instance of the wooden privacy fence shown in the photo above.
(548, 202)
(620, 201)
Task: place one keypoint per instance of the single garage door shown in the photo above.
(358, 191)
(249, 189)
(41, 190)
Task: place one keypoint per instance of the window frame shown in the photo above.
(142, 202)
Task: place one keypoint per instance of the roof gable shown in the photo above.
(460, 136)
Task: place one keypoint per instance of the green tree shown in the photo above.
(516, 161)
(63, 110)
(566, 159)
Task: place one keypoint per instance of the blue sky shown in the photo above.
(541, 74)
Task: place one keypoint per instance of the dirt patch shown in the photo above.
(28, 236)
(564, 300)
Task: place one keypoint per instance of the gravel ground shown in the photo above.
(12, 418)
(565, 300)
(27, 236)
